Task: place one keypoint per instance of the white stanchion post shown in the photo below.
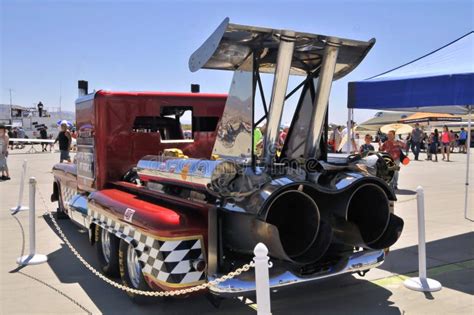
(19, 207)
(32, 258)
(421, 283)
(262, 280)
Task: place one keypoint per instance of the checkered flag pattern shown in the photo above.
(167, 261)
(67, 193)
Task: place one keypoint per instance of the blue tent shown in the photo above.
(441, 81)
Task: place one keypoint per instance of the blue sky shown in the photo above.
(46, 46)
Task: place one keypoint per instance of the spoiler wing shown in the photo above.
(230, 45)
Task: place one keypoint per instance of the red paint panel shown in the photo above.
(118, 148)
(150, 215)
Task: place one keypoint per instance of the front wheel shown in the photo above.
(131, 273)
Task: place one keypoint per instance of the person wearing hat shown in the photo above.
(4, 153)
(64, 139)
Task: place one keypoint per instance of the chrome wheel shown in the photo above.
(133, 266)
(105, 242)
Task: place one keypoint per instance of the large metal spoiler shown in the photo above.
(230, 45)
(249, 51)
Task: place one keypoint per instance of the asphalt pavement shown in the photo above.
(64, 286)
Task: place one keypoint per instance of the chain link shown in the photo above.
(117, 285)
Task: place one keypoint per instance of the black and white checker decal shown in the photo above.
(168, 261)
(67, 193)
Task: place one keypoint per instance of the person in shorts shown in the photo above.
(462, 141)
(433, 146)
(445, 142)
(64, 139)
(4, 153)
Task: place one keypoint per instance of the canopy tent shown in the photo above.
(429, 117)
(441, 81)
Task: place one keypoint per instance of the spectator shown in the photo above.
(367, 146)
(452, 140)
(4, 153)
(394, 148)
(40, 109)
(424, 142)
(351, 141)
(408, 142)
(64, 139)
(258, 140)
(282, 136)
(462, 141)
(416, 137)
(433, 144)
(43, 136)
(445, 142)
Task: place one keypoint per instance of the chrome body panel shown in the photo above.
(234, 131)
(78, 207)
(281, 277)
(194, 173)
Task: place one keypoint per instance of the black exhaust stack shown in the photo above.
(83, 87)
(195, 88)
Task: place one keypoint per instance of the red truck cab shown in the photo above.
(115, 130)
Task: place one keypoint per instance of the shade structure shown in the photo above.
(441, 81)
(429, 117)
(398, 128)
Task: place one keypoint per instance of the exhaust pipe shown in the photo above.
(301, 222)
(360, 215)
(82, 87)
(296, 216)
(291, 228)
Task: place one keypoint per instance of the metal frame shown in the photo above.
(321, 101)
(280, 85)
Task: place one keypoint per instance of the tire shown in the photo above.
(131, 277)
(107, 246)
(60, 211)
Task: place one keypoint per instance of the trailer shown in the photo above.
(168, 208)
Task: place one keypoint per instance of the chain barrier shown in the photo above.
(125, 288)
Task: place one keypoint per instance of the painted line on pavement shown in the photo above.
(397, 279)
(434, 271)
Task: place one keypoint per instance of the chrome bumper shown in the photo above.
(279, 277)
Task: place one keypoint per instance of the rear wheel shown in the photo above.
(131, 273)
(107, 246)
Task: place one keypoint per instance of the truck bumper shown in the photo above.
(279, 277)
